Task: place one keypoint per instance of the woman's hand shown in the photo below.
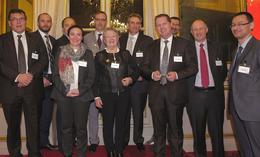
(127, 81)
(98, 102)
(73, 93)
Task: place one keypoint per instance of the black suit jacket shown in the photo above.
(176, 90)
(9, 67)
(141, 44)
(41, 41)
(85, 79)
(63, 40)
(219, 73)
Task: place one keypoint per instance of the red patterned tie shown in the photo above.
(204, 68)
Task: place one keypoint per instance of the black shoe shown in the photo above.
(140, 146)
(93, 147)
(110, 154)
(49, 147)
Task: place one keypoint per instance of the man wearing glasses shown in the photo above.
(244, 79)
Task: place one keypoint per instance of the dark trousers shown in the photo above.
(247, 134)
(115, 108)
(138, 96)
(206, 109)
(74, 113)
(13, 113)
(59, 129)
(167, 114)
(46, 116)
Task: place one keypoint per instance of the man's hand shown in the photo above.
(98, 102)
(127, 81)
(46, 82)
(73, 93)
(24, 79)
(171, 76)
(156, 75)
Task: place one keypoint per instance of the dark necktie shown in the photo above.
(204, 68)
(49, 50)
(99, 41)
(21, 56)
(164, 63)
(238, 54)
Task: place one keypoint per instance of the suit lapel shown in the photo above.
(173, 50)
(12, 48)
(124, 41)
(137, 43)
(157, 58)
(246, 50)
(29, 46)
(211, 57)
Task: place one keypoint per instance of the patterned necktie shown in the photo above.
(204, 68)
(99, 41)
(49, 50)
(164, 63)
(21, 56)
(130, 44)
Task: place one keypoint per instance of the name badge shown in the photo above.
(219, 63)
(243, 69)
(115, 65)
(177, 59)
(35, 56)
(139, 54)
(83, 63)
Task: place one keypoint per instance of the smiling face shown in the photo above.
(68, 22)
(176, 26)
(241, 27)
(44, 23)
(199, 30)
(17, 22)
(75, 37)
(163, 27)
(134, 25)
(111, 39)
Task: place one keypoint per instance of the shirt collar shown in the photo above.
(15, 34)
(169, 39)
(133, 36)
(245, 42)
(198, 43)
(43, 34)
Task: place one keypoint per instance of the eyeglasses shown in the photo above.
(239, 25)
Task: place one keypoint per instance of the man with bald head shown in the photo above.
(206, 92)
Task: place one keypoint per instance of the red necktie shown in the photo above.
(204, 68)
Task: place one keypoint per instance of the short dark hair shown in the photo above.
(176, 18)
(163, 15)
(63, 21)
(39, 16)
(134, 15)
(75, 26)
(14, 11)
(100, 12)
(247, 14)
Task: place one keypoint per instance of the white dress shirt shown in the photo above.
(134, 39)
(198, 82)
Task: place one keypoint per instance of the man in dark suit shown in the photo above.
(46, 107)
(206, 92)
(176, 26)
(22, 61)
(244, 78)
(168, 64)
(66, 23)
(136, 42)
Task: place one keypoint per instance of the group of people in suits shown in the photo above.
(112, 74)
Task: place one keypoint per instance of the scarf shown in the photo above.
(67, 55)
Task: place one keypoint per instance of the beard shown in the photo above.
(45, 29)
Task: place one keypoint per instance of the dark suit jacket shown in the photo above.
(9, 67)
(246, 87)
(177, 90)
(85, 79)
(63, 40)
(219, 73)
(141, 44)
(41, 41)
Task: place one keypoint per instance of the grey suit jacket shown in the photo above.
(91, 41)
(245, 88)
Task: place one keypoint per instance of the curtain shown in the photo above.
(57, 9)
(155, 7)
